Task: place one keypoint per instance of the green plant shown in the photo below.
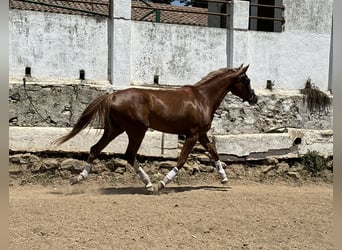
(315, 99)
(313, 162)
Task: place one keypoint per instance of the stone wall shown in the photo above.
(61, 104)
(49, 104)
(279, 125)
(38, 168)
(275, 109)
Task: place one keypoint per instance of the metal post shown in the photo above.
(230, 35)
(330, 84)
(158, 16)
(110, 41)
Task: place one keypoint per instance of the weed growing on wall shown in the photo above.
(315, 99)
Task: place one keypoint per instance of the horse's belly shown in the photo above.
(178, 126)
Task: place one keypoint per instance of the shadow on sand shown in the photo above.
(166, 190)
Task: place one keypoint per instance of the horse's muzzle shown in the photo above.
(252, 99)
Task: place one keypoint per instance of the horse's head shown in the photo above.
(242, 86)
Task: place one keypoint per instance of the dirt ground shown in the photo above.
(200, 214)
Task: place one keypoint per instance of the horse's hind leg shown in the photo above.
(210, 147)
(134, 143)
(187, 147)
(107, 137)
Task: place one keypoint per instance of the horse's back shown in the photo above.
(175, 110)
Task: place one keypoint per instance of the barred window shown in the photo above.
(266, 15)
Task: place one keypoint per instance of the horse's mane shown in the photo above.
(213, 74)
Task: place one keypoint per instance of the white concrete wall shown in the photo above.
(308, 15)
(251, 146)
(38, 139)
(179, 54)
(120, 43)
(289, 58)
(57, 45)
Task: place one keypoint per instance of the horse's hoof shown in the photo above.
(73, 180)
(149, 187)
(161, 185)
(224, 180)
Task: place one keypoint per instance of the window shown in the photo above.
(215, 20)
(266, 15)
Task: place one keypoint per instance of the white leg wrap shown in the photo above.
(170, 175)
(221, 171)
(85, 172)
(142, 175)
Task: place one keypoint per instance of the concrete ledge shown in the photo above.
(38, 139)
(289, 144)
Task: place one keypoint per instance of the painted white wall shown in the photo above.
(120, 43)
(57, 45)
(288, 58)
(308, 15)
(179, 54)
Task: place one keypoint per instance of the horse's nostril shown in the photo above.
(253, 100)
(256, 99)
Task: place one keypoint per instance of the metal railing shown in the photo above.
(281, 7)
(153, 9)
(159, 9)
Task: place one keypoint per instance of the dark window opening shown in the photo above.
(28, 71)
(215, 20)
(266, 15)
(199, 4)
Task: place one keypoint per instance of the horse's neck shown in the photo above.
(215, 90)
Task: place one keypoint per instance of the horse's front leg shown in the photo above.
(143, 176)
(210, 147)
(187, 147)
(135, 137)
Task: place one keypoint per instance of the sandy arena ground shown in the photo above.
(202, 215)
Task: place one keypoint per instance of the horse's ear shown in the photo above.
(241, 70)
(244, 70)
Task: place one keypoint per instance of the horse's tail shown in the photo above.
(97, 109)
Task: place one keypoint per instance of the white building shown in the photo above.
(125, 51)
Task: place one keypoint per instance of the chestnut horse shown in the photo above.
(187, 110)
